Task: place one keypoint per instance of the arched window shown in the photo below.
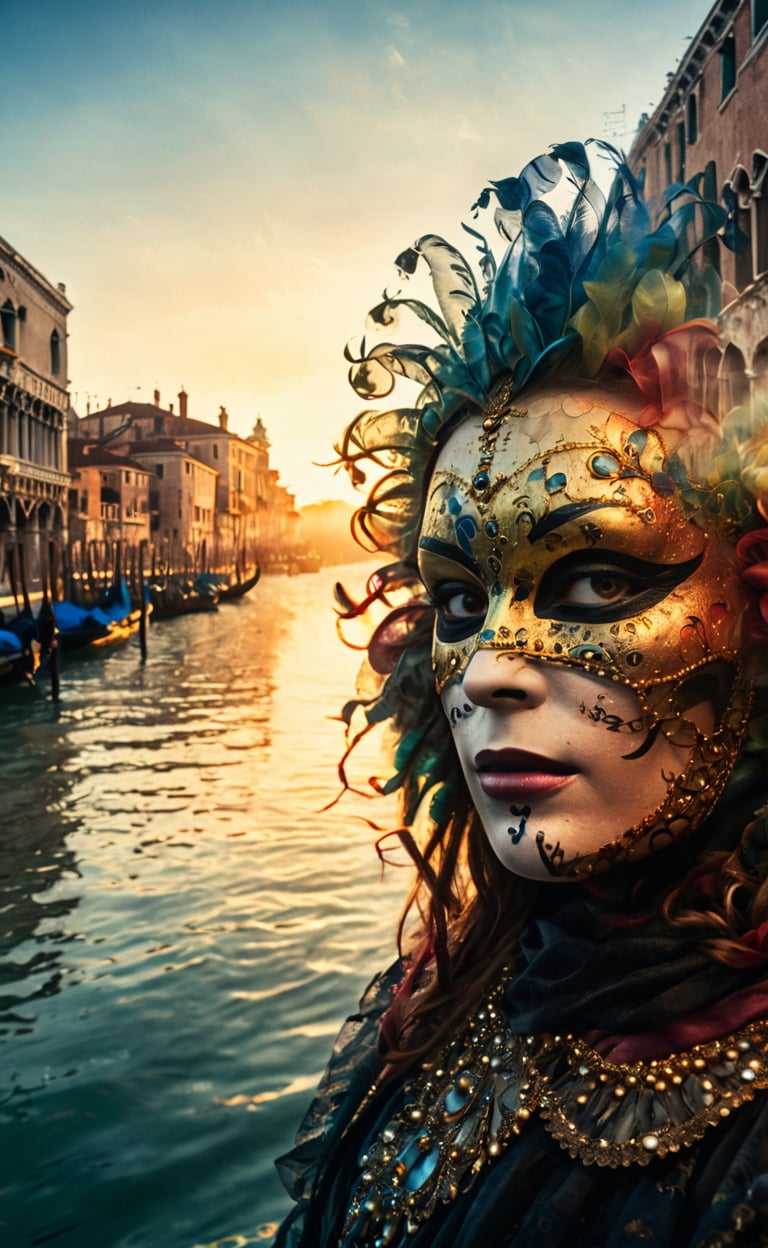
(55, 353)
(8, 323)
(759, 190)
(760, 370)
(741, 205)
(734, 385)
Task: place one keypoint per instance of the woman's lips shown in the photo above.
(519, 774)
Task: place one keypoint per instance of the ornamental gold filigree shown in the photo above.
(463, 1107)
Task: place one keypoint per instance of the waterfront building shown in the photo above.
(251, 511)
(34, 401)
(182, 501)
(713, 117)
(109, 496)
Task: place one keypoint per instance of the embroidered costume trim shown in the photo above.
(464, 1106)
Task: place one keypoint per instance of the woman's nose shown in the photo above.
(500, 679)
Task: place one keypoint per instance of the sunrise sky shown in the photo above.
(223, 185)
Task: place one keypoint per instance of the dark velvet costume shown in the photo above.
(588, 963)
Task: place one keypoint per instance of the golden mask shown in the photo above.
(555, 533)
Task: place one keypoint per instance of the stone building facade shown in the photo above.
(109, 497)
(34, 401)
(250, 513)
(713, 117)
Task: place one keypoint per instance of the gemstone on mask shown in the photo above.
(602, 465)
(587, 653)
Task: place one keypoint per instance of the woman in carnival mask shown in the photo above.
(572, 1048)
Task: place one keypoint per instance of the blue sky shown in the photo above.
(223, 186)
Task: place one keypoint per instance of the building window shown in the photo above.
(8, 322)
(55, 353)
(759, 16)
(691, 118)
(727, 65)
(760, 211)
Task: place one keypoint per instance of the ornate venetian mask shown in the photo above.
(554, 534)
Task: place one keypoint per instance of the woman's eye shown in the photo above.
(465, 604)
(598, 588)
(461, 609)
(579, 587)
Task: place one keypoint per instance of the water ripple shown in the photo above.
(182, 925)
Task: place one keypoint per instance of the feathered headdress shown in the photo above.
(587, 285)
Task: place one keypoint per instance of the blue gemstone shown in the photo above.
(420, 1169)
(604, 465)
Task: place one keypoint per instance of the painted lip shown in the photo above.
(519, 774)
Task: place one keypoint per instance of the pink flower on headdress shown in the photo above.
(752, 555)
(661, 369)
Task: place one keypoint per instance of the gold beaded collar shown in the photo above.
(464, 1106)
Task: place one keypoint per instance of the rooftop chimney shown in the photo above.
(183, 403)
(223, 418)
(157, 398)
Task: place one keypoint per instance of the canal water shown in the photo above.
(182, 928)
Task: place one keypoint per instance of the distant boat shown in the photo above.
(230, 589)
(180, 595)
